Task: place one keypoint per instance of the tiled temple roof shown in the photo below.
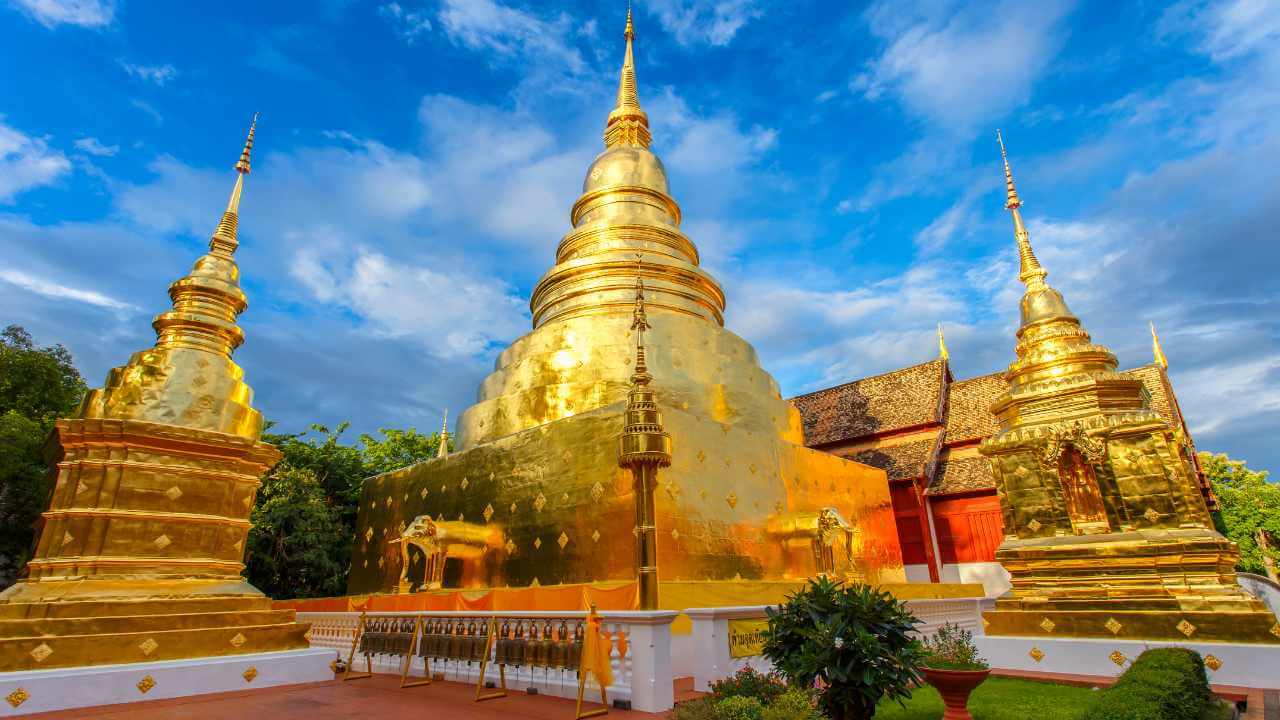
(969, 407)
(896, 400)
(900, 462)
(965, 474)
(1153, 380)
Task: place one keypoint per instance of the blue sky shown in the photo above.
(837, 166)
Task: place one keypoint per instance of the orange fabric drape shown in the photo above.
(595, 652)
(605, 596)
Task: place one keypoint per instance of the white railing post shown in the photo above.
(649, 650)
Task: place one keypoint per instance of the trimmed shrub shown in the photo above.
(704, 708)
(749, 682)
(1162, 684)
(739, 708)
(794, 704)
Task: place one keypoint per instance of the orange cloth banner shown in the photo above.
(595, 652)
(606, 596)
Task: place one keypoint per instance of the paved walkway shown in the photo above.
(378, 696)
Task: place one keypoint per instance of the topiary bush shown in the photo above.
(853, 643)
(704, 708)
(1162, 684)
(794, 704)
(739, 707)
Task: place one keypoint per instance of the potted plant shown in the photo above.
(854, 644)
(952, 666)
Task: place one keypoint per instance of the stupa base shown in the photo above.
(34, 691)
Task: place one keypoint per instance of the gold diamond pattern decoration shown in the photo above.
(1151, 515)
(465, 483)
(1186, 628)
(40, 652)
(1113, 626)
(597, 491)
(562, 540)
(238, 640)
(162, 542)
(511, 546)
(732, 499)
(1213, 662)
(148, 646)
(388, 503)
(381, 562)
(1034, 525)
(1117, 657)
(675, 534)
(368, 534)
(67, 538)
(17, 697)
(250, 674)
(145, 684)
(173, 493)
(595, 536)
(539, 502)
(1275, 629)
(1047, 625)
(537, 543)
(488, 512)
(512, 508)
(1036, 653)
(425, 492)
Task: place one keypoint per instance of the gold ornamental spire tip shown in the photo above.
(942, 345)
(1030, 272)
(628, 124)
(242, 165)
(443, 449)
(1156, 351)
(225, 239)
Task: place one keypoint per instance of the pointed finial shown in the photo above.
(443, 450)
(1156, 350)
(942, 345)
(242, 166)
(1012, 201)
(1030, 272)
(627, 124)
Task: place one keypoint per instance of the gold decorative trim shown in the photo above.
(1186, 628)
(562, 540)
(539, 502)
(537, 543)
(595, 536)
(41, 652)
(1213, 662)
(1113, 626)
(1047, 625)
(488, 512)
(250, 674)
(1117, 657)
(17, 697)
(145, 684)
(732, 499)
(239, 639)
(1036, 653)
(148, 646)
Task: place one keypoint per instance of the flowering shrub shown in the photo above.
(749, 682)
(952, 648)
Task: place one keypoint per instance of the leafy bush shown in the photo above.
(704, 708)
(749, 682)
(853, 642)
(952, 648)
(1162, 684)
(739, 707)
(794, 704)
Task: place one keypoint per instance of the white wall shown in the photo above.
(991, 575)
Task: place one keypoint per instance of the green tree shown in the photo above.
(298, 546)
(1248, 503)
(37, 385)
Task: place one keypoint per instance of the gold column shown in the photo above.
(644, 447)
(141, 550)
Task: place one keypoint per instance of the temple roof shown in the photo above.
(969, 407)
(965, 474)
(1153, 379)
(901, 462)
(886, 403)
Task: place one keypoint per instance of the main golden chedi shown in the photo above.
(1107, 531)
(141, 550)
(535, 494)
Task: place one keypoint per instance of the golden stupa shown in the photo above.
(1107, 532)
(141, 550)
(536, 492)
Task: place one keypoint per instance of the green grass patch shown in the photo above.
(1000, 699)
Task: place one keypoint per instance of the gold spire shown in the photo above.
(1156, 350)
(443, 450)
(1030, 271)
(627, 124)
(224, 241)
(643, 439)
(942, 345)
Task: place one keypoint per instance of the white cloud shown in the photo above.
(27, 162)
(53, 290)
(408, 24)
(958, 65)
(84, 13)
(148, 109)
(159, 75)
(495, 28)
(94, 146)
(1226, 29)
(710, 22)
(450, 312)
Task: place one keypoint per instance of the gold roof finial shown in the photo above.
(942, 345)
(627, 124)
(1156, 350)
(443, 450)
(242, 165)
(644, 441)
(224, 241)
(1031, 273)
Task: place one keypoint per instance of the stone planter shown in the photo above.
(955, 686)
